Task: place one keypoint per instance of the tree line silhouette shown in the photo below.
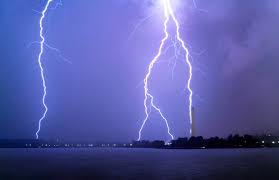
(232, 141)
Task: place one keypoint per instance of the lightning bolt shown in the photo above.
(187, 60)
(42, 42)
(169, 14)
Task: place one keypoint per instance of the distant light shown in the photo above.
(131, 144)
(273, 142)
(262, 141)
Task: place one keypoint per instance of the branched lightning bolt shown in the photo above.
(169, 14)
(43, 13)
(186, 59)
(139, 24)
(146, 90)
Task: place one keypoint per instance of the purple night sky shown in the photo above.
(99, 96)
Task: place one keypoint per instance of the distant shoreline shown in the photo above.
(231, 142)
(166, 148)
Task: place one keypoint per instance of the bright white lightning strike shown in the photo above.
(42, 42)
(186, 59)
(169, 14)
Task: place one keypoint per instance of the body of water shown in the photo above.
(121, 163)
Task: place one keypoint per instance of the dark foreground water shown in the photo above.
(83, 164)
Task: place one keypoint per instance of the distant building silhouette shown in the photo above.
(193, 130)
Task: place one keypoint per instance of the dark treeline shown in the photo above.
(232, 141)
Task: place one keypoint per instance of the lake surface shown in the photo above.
(109, 163)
